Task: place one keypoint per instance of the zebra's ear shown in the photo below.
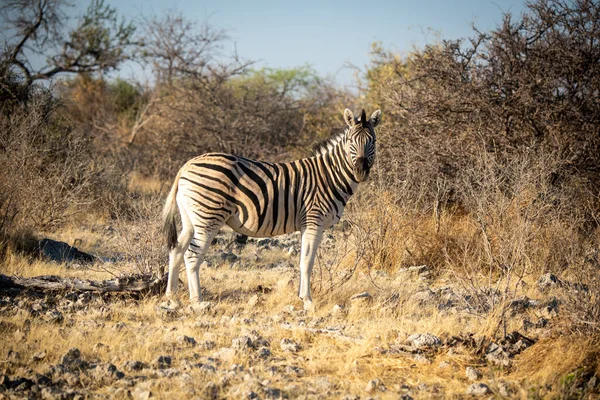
(375, 118)
(349, 117)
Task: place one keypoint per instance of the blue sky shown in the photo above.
(328, 34)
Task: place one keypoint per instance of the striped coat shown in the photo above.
(263, 199)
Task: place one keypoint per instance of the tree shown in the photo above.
(99, 42)
(177, 47)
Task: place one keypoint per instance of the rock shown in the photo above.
(424, 297)
(39, 356)
(253, 301)
(168, 310)
(504, 389)
(268, 243)
(61, 252)
(337, 310)
(263, 353)
(135, 365)
(207, 345)
(478, 389)
(444, 365)
(163, 362)
(210, 391)
(225, 353)
(364, 296)
(202, 307)
(496, 355)
(72, 356)
(420, 340)
(416, 270)
(99, 346)
(229, 257)
(547, 281)
(473, 374)
(106, 373)
(373, 385)
(140, 394)
(421, 359)
(288, 345)
(53, 316)
(242, 343)
(289, 309)
(186, 340)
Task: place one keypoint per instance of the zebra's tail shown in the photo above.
(168, 215)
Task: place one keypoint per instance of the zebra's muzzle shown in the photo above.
(361, 169)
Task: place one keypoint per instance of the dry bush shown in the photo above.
(495, 139)
(50, 170)
(138, 229)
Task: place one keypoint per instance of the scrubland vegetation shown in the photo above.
(478, 229)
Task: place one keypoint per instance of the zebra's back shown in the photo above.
(254, 198)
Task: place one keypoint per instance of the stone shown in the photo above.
(210, 391)
(478, 389)
(497, 356)
(421, 359)
(288, 345)
(140, 394)
(134, 365)
(372, 385)
(186, 340)
(547, 281)
(263, 353)
(421, 340)
(61, 252)
(242, 343)
(444, 365)
(72, 356)
(364, 296)
(225, 353)
(39, 356)
(163, 362)
(229, 257)
(53, 316)
(106, 373)
(99, 346)
(472, 374)
(504, 389)
(253, 301)
(337, 310)
(202, 307)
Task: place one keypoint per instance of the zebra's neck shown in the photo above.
(337, 171)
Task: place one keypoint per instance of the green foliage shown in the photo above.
(125, 96)
(99, 42)
(287, 82)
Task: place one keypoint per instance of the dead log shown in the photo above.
(51, 283)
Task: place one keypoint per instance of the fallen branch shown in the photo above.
(53, 283)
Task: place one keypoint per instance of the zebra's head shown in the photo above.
(360, 142)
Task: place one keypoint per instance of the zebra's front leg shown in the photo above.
(311, 238)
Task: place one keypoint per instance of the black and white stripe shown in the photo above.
(266, 199)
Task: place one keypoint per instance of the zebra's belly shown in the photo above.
(248, 227)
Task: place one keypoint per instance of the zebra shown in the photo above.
(263, 199)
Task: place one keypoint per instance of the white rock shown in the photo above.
(478, 389)
(419, 340)
(472, 374)
(289, 345)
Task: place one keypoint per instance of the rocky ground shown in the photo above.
(413, 333)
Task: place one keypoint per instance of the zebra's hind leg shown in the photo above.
(176, 254)
(194, 257)
(311, 238)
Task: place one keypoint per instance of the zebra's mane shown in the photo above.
(328, 144)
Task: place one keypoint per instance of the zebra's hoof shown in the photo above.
(309, 306)
(201, 307)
